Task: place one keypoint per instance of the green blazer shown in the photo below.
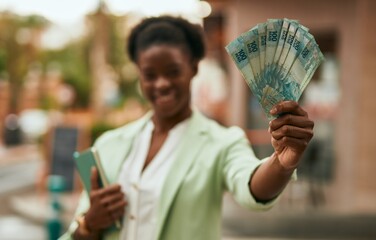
(211, 160)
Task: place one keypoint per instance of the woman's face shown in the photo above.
(165, 77)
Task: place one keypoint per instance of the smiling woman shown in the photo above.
(166, 72)
(173, 165)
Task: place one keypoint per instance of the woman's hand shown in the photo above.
(106, 205)
(291, 133)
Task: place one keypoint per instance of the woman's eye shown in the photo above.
(149, 76)
(173, 73)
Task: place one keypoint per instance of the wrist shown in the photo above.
(83, 226)
(285, 170)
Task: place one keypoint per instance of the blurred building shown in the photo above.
(343, 29)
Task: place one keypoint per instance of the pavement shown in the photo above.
(284, 222)
(18, 168)
(24, 159)
(23, 211)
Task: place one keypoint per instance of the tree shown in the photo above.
(19, 47)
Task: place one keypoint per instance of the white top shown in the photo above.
(143, 189)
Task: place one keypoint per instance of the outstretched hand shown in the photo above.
(291, 133)
(106, 204)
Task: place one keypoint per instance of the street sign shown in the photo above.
(64, 144)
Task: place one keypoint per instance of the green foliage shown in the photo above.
(116, 44)
(15, 55)
(34, 21)
(72, 60)
(3, 59)
(130, 89)
(47, 102)
(98, 129)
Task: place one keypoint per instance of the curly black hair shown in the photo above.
(169, 30)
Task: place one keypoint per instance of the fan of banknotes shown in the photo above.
(277, 60)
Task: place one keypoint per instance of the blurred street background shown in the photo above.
(65, 79)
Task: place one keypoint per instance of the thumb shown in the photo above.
(94, 179)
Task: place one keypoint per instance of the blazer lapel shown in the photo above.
(189, 148)
(122, 145)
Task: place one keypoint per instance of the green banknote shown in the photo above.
(262, 45)
(238, 52)
(251, 41)
(301, 39)
(277, 60)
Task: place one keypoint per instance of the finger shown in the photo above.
(109, 199)
(112, 189)
(295, 144)
(293, 120)
(117, 215)
(117, 206)
(292, 131)
(291, 107)
(94, 179)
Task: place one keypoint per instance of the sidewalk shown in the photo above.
(286, 222)
(18, 154)
(18, 167)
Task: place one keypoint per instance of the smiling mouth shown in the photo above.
(164, 99)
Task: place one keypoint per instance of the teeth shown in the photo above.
(164, 98)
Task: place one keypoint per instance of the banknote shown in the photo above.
(293, 27)
(250, 39)
(277, 59)
(316, 59)
(238, 52)
(303, 69)
(273, 30)
(301, 39)
(281, 40)
(262, 45)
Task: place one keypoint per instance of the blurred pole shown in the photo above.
(12, 132)
(54, 224)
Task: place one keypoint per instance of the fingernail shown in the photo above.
(273, 110)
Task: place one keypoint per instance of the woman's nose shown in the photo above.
(162, 83)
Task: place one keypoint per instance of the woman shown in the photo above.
(171, 167)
